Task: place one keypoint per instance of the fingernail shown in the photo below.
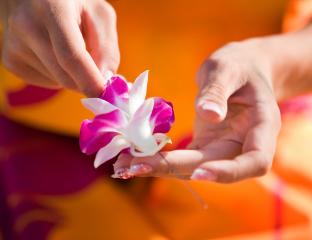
(140, 168)
(211, 106)
(122, 173)
(202, 174)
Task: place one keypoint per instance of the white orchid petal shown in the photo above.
(137, 92)
(106, 153)
(135, 153)
(139, 130)
(162, 138)
(97, 105)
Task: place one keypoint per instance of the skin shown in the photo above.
(238, 119)
(57, 43)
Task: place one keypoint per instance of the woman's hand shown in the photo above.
(236, 127)
(238, 119)
(57, 43)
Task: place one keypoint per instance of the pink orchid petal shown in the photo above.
(106, 153)
(96, 133)
(137, 92)
(162, 116)
(117, 92)
(98, 106)
(139, 129)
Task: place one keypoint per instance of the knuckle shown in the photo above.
(218, 62)
(109, 10)
(210, 64)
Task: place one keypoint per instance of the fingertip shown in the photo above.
(203, 174)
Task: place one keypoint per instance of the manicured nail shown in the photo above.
(122, 173)
(140, 168)
(202, 174)
(211, 106)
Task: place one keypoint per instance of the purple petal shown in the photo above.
(162, 116)
(96, 133)
(116, 92)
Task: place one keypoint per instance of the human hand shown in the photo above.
(57, 43)
(236, 127)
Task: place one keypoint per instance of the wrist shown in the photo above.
(289, 57)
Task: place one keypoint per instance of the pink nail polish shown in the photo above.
(202, 174)
(210, 106)
(122, 173)
(140, 168)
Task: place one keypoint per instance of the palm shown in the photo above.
(225, 140)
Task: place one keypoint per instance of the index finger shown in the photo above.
(179, 163)
(71, 53)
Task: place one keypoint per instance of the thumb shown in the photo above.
(215, 79)
(212, 102)
(101, 36)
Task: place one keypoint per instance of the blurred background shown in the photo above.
(49, 190)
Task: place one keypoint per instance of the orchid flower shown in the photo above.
(125, 121)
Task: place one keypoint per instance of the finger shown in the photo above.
(256, 160)
(100, 34)
(181, 162)
(216, 86)
(70, 50)
(40, 43)
(251, 164)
